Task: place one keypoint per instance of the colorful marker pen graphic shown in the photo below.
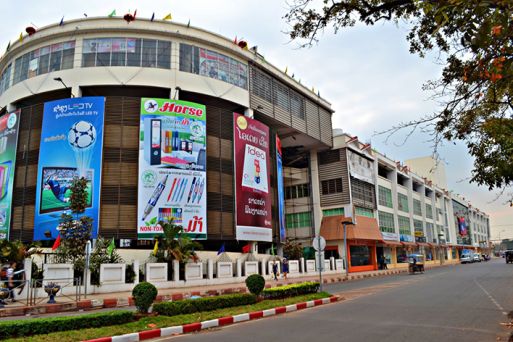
(152, 202)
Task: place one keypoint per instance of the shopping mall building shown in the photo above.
(153, 131)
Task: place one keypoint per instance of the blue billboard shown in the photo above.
(281, 194)
(71, 146)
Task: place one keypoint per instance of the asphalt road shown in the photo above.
(454, 303)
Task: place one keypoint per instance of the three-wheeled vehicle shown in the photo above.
(508, 255)
(416, 263)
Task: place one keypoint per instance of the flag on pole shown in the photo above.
(286, 70)
(235, 40)
(57, 242)
(156, 247)
(21, 37)
(113, 13)
(152, 17)
(246, 249)
(8, 46)
(272, 249)
(135, 14)
(189, 23)
(221, 250)
(111, 247)
(62, 21)
(168, 17)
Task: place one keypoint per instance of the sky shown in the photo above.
(366, 73)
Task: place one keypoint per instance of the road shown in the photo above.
(454, 303)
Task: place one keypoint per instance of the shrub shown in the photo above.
(291, 290)
(188, 306)
(38, 326)
(144, 294)
(255, 284)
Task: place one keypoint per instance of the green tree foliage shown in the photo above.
(101, 256)
(75, 230)
(174, 244)
(255, 284)
(475, 37)
(292, 250)
(144, 294)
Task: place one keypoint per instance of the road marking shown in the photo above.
(491, 298)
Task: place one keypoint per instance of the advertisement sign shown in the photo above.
(252, 183)
(406, 238)
(71, 146)
(8, 143)
(172, 167)
(390, 236)
(281, 192)
(462, 226)
(360, 167)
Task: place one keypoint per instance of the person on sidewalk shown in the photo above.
(385, 267)
(10, 280)
(285, 268)
(275, 270)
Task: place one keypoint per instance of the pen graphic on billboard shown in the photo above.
(172, 167)
(71, 146)
(252, 194)
(9, 127)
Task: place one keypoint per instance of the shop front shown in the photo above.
(388, 249)
(362, 239)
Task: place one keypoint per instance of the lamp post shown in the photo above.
(346, 264)
(440, 237)
(58, 79)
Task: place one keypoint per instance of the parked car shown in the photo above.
(477, 257)
(466, 258)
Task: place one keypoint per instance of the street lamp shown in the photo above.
(346, 263)
(58, 79)
(440, 237)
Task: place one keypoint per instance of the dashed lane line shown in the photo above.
(491, 298)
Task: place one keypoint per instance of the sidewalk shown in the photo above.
(124, 299)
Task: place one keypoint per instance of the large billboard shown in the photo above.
(360, 167)
(172, 167)
(281, 190)
(252, 183)
(71, 146)
(9, 124)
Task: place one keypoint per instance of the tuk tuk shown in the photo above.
(508, 255)
(416, 263)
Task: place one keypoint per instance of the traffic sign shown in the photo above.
(319, 244)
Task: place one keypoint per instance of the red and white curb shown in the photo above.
(187, 328)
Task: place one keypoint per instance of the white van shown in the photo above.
(466, 258)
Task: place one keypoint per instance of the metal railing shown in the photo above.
(38, 285)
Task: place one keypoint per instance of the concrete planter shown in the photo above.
(293, 266)
(250, 267)
(310, 266)
(193, 271)
(112, 274)
(224, 270)
(156, 272)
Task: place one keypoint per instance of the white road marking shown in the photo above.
(491, 298)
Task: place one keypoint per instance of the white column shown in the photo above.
(302, 265)
(135, 264)
(176, 270)
(210, 269)
(239, 268)
(332, 263)
(264, 267)
(316, 197)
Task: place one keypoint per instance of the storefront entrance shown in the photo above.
(362, 257)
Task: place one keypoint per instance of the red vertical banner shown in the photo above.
(252, 182)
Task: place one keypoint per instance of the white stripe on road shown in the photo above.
(491, 298)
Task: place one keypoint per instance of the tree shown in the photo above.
(174, 244)
(292, 250)
(75, 230)
(475, 41)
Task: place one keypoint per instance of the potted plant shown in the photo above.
(4, 294)
(52, 289)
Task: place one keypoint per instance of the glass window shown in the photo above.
(281, 96)
(402, 201)
(163, 54)
(17, 70)
(417, 207)
(360, 255)
(118, 56)
(402, 255)
(404, 225)
(331, 186)
(385, 196)
(5, 79)
(386, 222)
(333, 212)
(429, 211)
(364, 212)
(56, 58)
(133, 52)
(89, 52)
(298, 220)
(104, 47)
(149, 53)
(33, 63)
(297, 191)
(45, 62)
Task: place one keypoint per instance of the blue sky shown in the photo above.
(367, 73)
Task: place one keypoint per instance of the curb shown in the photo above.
(218, 322)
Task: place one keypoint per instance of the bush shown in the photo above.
(38, 326)
(188, 306)
(144, 294)
(255, 284)
(291, 290)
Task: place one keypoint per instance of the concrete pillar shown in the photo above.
(263, 264)
(76, 91)
(210, 269)
(239, 268)
(302, 265)
(332, 263)
(135, 264)
(27, 266)
(315, 193)
(176, 270)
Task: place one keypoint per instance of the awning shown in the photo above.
(392, 243)
(409, 244)
(366, 228)
(423, 244)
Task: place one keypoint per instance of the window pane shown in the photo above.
(164, 54)
(24, 67)
(185, 57)
(17, 70)
(103, 53)
(55, 61)
(149, 53)
(118, 57)
(33, 63)
(133, 47)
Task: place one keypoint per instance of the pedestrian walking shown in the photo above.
(275, 270)
(285, 268)
(385, 267)
(10, 280)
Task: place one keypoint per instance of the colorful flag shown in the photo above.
(189, 23)
(272, 249)
(286, 69)
(246, 249)
(111, 247)
(221, 250)
(57, 242)
(113, 13)
(156, 247)
(152, 16)
(62, 21)
(168, 17)
(8, 46)
(21, 37)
